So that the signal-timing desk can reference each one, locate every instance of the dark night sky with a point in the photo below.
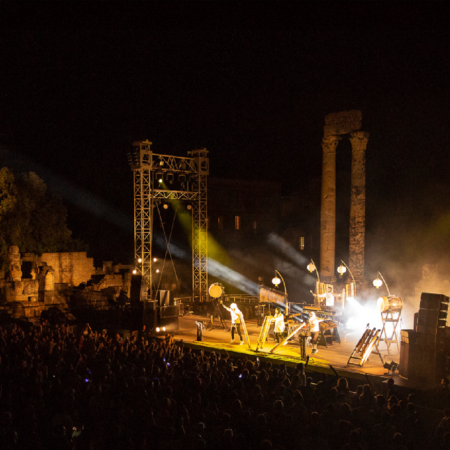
(250, 81)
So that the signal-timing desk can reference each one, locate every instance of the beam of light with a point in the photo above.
(68, 191)
(295, 267)
(232, 277)
(278, 242)
(360, 315)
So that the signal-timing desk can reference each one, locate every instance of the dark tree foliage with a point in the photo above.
(31, 217)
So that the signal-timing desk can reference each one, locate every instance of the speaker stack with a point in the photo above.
(423, 350)
(138, 289)
(168, 313)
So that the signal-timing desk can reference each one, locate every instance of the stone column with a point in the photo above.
(358, 140)
(328, 209)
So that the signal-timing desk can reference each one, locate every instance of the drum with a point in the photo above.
(216, 290)
(390, 303)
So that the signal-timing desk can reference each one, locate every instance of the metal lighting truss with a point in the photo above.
(145, 165)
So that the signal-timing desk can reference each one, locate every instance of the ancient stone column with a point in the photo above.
(328, 208)
(358, 140)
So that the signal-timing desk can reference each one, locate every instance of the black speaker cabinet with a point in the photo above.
(138, 289)
(169, 311)
(422, 359)
(150, 314)
(164, 298)
(437, 302)
(407, 338)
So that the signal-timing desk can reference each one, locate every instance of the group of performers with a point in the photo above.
(279, 326)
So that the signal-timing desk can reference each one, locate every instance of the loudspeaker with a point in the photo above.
(168, 311)
(407, 341)
(164, 298)
(433, 312)
(138, 289)
(425, 358)
(150, 318)
(437, 302)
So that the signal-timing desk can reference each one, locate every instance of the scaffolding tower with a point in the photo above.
(192, 172)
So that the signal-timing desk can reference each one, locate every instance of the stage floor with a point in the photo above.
(335, 355)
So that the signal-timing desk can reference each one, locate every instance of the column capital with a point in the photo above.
(329, 143)
(359, 139)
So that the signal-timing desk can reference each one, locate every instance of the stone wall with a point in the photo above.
(72, 268)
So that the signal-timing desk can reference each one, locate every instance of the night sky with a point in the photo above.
(250, 81)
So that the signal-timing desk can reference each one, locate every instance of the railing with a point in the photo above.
(233, 298)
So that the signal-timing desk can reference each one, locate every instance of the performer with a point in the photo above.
(279, 327)
(236, 319)
(315, 330)
(329, 297)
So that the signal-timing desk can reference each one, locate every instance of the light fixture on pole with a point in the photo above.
(276, 280)
(343, 268)
(378, 282)
(312, 267)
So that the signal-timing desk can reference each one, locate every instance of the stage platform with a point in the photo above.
(336, 355)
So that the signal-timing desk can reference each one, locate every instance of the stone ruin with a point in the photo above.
(33, 284)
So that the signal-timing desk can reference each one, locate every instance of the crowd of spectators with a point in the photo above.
(93, 390)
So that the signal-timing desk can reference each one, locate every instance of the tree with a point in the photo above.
(31, 217)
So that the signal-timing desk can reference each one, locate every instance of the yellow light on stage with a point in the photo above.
(377, 283)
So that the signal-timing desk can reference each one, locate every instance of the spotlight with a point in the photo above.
(159, 177)
(139, 260)
(189, 207)
(391, 367)
(164, 328)
(166, 206)
(134, 271)
(311, 267)
(155, 259)
(169, 177)
(158, 329)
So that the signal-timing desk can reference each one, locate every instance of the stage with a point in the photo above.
(334, 356)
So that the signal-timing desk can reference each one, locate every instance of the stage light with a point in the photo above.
(391, 367)
(164, 328)
(157, 270)
(189, 207)
(169, 177)
(311, 267)
(377, 283)
(166, 206)
(276, 281)
(341, 270)
(157, 329)
(134, 271)
(139, 260)
(155, 259)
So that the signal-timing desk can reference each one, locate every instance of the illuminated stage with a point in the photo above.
(335, 355)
